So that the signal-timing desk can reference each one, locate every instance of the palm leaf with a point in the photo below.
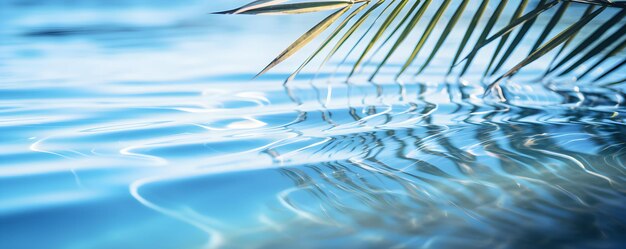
(445, 33)
(328, 40)
(410, 26)
(304, 39)
(521, 34)
(400, 18)
(379, 34)
(425, 35)
(544, 49)
(518, 13)
(468, 33)
(591, 38)
(588, 11)
(266, 7)
(597, 49)
(604, 58)
(481, 40)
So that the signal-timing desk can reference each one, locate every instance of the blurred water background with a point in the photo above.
(134, 124)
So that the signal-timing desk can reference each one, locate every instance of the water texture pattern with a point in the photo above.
(134, 124)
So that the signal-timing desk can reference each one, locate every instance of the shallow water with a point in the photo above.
(135, 124)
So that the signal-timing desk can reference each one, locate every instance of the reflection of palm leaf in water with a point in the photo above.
(519, 169)
(397, 20)
(380, 190)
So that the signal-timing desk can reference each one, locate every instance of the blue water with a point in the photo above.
(134, 124)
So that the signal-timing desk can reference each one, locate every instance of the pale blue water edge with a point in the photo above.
(134, 124)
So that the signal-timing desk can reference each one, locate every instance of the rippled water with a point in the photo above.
(134, 124)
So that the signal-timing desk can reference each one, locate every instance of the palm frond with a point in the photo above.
(399, 20)
(556, 41)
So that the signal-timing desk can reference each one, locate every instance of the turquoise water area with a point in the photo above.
(134, 124)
